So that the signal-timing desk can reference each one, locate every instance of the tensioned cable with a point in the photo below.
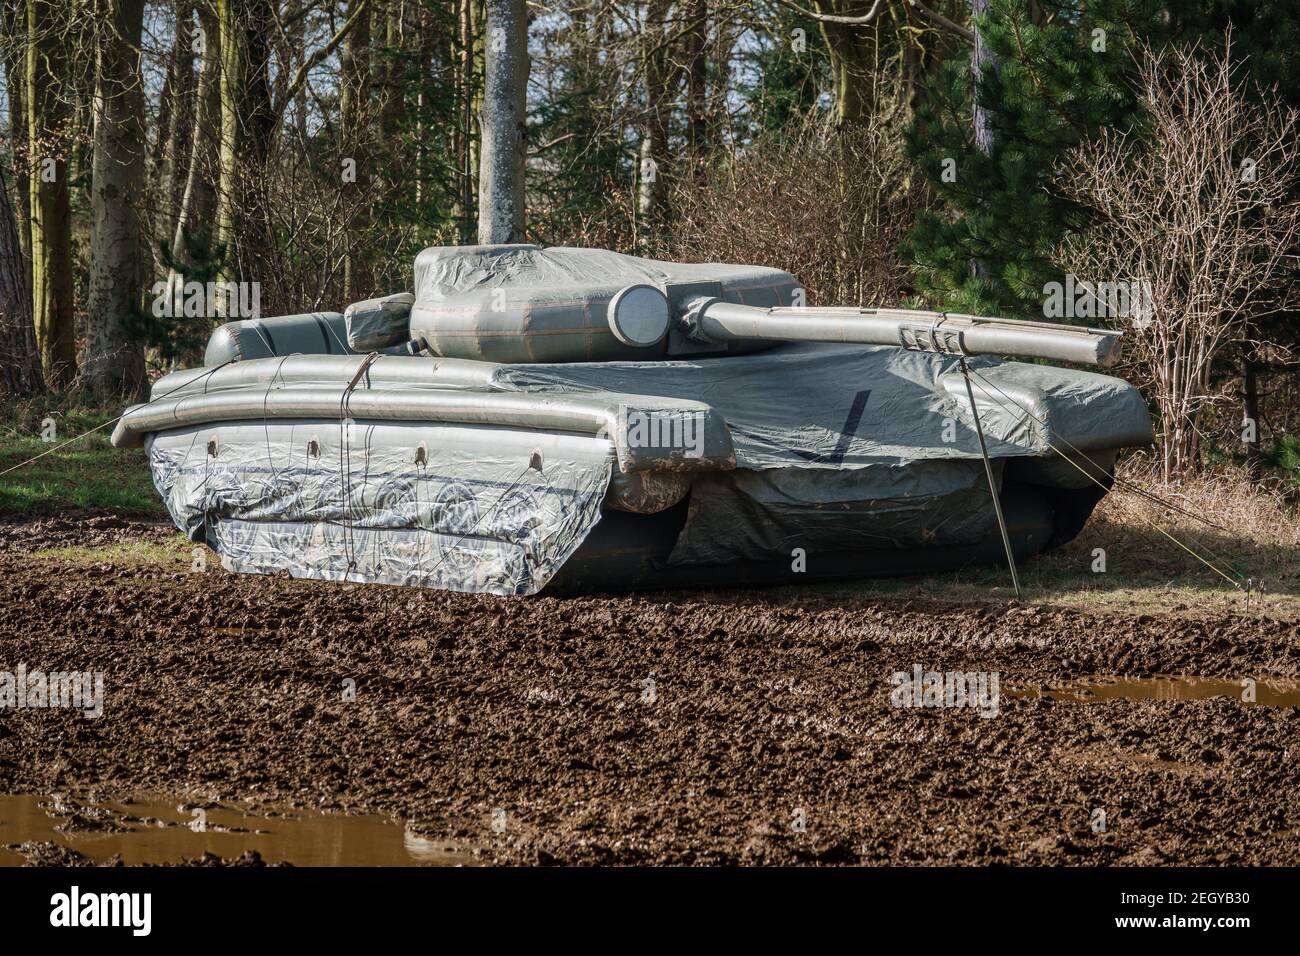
(266, 417)
(1130, 487)
(113, 421)
(1093, 478)
(345, 459)
(1122, 482)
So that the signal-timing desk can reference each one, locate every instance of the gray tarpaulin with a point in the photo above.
(847, 406)
(379, 323)
(519, 303)
(844, 447)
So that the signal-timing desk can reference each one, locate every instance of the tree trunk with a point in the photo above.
(246, 126)
(20, 360)
(174, 137)
(233, 59)
(726, 30)
(207, 126)
(501, 121)
(354, 112)
(423, 107)
(1250, 412)
(982, 61)
(13, 27)
(112, 362)
(47, 130)
(471, 90)
(853, 52)
(259, 119)
(654, 127)
(198, 198)
(298, 36)
(390, 115)
(698, 133)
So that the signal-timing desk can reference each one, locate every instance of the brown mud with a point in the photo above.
(726, 727)
(80, 528)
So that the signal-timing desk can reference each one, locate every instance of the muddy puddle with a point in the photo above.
(160, 832)
(1249, 692)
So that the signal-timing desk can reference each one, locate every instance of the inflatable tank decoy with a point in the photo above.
(565, 420)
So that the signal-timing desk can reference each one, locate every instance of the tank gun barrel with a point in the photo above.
(715, 321)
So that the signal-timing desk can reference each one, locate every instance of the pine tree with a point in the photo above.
(1060, 78)
(177, 337)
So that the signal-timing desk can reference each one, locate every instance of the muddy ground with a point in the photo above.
(529, 727)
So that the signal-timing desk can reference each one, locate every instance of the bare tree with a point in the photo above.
(13, 51)
(1200, 216)
(248, 124)
(113, 361)
(48, 125)
(354, 124)
(837, 227)
(697, 78)
(854, 53)
(198, 196)
(175, 123)
(654, 127)
(20, 360)
(501, 121)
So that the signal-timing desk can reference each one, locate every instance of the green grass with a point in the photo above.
(88, 473)
(176, 549)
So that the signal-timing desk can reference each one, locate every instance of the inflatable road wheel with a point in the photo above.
(518, 519)
(455, 517)
(395, 503)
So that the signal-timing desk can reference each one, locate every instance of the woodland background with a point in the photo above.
(957, 154)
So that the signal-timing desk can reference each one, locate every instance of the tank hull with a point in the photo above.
(540, 479)
(628, 552)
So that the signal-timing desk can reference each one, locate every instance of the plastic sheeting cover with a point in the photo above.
(849, 406)
(443, 273)
(836, 448)
(844, 447)
(379, 323)
(520, 303)
(295, 496)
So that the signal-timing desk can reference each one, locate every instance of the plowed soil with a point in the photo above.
(725, 727)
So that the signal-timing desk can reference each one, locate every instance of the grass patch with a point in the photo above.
(88, 473)
(175, 549)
